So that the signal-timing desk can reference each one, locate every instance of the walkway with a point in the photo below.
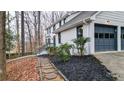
(47, 71)
(114, 62)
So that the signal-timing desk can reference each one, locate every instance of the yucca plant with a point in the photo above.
(80, 43)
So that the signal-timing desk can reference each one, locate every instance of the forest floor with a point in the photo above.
(22, 69)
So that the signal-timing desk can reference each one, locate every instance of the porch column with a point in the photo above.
(92, 40)
(119, 38)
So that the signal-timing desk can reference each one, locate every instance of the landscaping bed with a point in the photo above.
(22, 69)
(86, 68)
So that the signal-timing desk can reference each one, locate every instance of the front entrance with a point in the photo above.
(105, 38)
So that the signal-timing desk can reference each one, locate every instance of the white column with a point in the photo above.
(86, 34)
(118, 38)
(92, 40)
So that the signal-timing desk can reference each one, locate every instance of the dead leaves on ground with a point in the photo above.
(22, 70)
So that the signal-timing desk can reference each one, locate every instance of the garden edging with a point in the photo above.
(59, 71)
(11, 60)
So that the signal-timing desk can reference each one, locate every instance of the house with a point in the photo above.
(104, 28)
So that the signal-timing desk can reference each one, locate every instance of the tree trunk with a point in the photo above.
(2, 47)
(29, 31)
(22, 33)
(35, 29)
(17, 28)
(39, 29)
(9, 31)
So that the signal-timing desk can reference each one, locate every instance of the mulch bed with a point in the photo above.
(86, 68)
(22, 70)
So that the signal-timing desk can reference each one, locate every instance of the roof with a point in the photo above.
(76, 20)
(66, 15)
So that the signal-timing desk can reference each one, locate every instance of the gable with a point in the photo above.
(111, 15)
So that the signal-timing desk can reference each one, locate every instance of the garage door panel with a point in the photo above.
(106, 39)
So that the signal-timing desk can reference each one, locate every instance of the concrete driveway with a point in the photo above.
(114, 62)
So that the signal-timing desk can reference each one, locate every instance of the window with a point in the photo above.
(49, 41)
(49, 31)
(60, 24)
(122, 36)
(79, 31)
(54, 40)
(53, 27)
(64, 20)
(96, 35)
(59, 37)
(106, 35)
(101, 35)
(111, 35)
(46, 41)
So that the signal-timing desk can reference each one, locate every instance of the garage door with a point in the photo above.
(105, 38)
(122, 38)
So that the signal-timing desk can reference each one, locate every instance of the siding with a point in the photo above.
(57, 26)
(115, 17)
(71, 16)
(68, 36)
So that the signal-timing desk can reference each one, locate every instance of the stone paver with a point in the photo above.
(50, 76)
(47, 70)
(114, 62)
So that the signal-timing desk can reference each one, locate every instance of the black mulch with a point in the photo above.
(87, 68)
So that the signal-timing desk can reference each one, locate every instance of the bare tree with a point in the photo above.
(22, 33)
(39, 36)
(17, 29)
(8, 23)
(2, 46)
(35, 23)
(28, 21)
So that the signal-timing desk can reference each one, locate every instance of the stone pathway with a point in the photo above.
(47, 71)
(114, 62)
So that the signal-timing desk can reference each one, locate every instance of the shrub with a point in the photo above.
(64, 52)
(80, 43)
(52, 50)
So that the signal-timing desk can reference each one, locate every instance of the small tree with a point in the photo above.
(80, 43)
(64, 52)
(9, 35)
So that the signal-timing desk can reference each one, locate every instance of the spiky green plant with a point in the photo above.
(64, 52)
(80, 43)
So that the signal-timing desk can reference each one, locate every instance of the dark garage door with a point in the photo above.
(122, 38)
(105, 38)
